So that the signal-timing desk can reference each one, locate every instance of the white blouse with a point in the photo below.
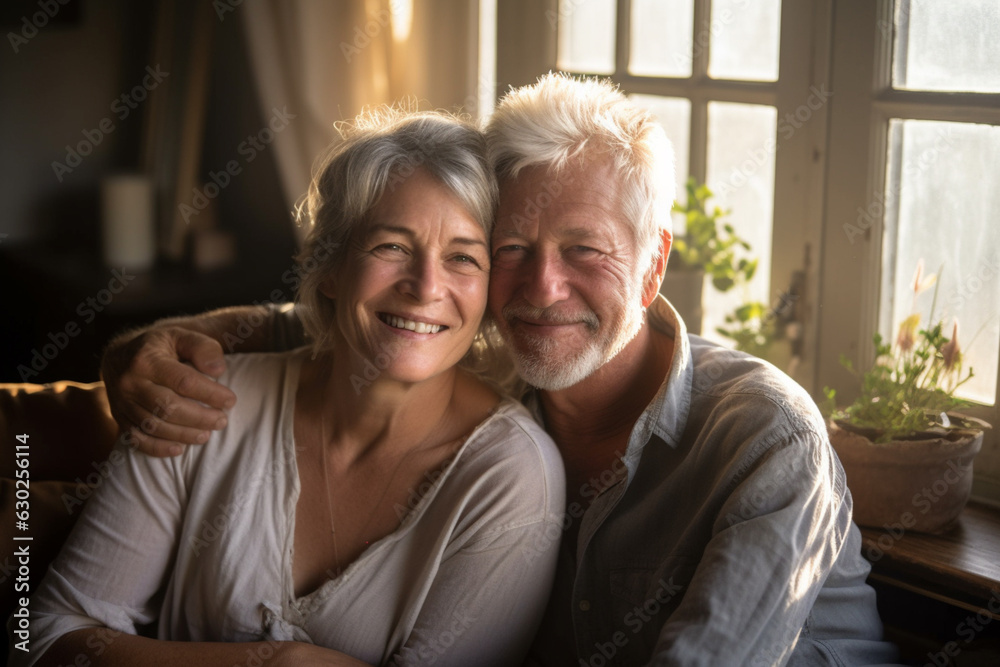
(201, 544)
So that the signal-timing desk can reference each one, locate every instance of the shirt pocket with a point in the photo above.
(644, 596)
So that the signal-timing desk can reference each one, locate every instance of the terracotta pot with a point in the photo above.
(919, 484)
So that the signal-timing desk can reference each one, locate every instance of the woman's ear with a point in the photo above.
(651, 286)
(328, 287)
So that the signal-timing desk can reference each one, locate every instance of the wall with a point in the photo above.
(59, 84)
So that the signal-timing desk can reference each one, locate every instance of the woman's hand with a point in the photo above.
(160, 391)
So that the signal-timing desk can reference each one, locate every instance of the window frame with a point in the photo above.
(863, 105)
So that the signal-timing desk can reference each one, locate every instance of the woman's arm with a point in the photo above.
(101, 646)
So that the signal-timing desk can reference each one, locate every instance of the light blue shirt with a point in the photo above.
(725, 536)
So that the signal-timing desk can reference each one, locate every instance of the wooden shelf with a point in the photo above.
(960, 567)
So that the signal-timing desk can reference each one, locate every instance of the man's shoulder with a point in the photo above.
(728, 384)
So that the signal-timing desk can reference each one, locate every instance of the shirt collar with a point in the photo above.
(666, 415)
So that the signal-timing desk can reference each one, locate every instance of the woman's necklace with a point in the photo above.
(326, 487)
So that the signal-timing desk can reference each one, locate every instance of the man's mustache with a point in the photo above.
(550, 316)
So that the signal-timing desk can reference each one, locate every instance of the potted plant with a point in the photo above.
(707, 247)
(906, 450)
(769, 332)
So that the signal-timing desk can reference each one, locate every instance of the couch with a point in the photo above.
(70, 433)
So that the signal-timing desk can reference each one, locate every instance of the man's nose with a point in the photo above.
(545, 281)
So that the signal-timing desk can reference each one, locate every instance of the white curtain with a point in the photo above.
(325, 60)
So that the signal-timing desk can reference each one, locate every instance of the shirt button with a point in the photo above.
(584, 605)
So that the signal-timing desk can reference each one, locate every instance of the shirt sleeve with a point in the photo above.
(775, 541)
(116, 558)
(487, 598)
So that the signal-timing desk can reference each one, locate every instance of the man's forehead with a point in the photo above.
(580, 198)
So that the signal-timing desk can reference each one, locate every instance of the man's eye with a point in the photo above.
(583, 250)
(508, 249)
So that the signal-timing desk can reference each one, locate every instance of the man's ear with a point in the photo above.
(651, 283)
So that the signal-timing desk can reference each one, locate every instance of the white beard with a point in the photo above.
(541, 364)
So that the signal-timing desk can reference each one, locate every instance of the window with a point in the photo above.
(941, 196)
(913, 167)
(710, 72)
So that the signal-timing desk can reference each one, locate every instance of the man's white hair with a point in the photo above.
(561, 118)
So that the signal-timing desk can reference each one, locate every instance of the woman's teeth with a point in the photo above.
(418, 327)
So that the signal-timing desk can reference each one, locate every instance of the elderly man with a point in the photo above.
(708, 520)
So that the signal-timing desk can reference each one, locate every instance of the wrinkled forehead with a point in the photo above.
(578, 200)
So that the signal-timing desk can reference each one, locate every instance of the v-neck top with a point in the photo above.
(201, 545)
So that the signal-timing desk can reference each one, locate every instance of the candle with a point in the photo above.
(127, 222)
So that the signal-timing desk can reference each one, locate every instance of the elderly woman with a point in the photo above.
(372, 500)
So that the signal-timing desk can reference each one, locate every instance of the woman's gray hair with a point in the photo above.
(560, 118)
(376, 152)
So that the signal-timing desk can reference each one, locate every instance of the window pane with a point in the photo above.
(950, 45)
(661, 37)
(674, 114)
(741, 147)
(942, 200)
(587, 36)
(744, 40)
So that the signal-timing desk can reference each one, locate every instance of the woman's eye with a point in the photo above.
(388, 248)
(467, 262)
